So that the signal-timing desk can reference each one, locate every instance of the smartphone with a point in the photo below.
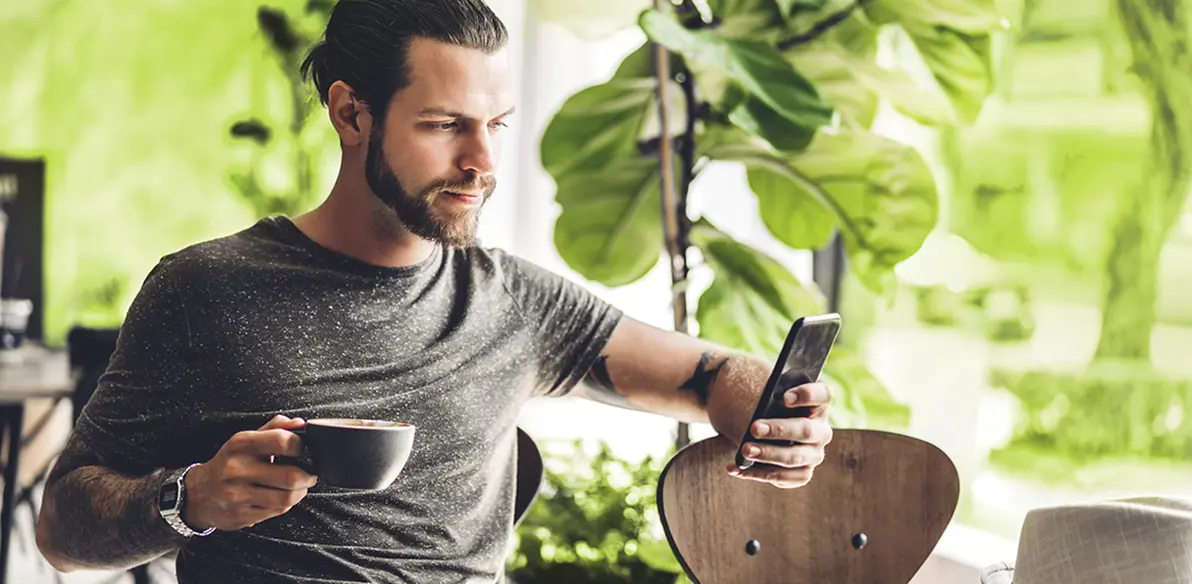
(803, 355)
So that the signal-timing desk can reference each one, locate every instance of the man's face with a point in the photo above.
(433, 159)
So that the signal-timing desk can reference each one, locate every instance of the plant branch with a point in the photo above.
(820, 27)
(687, 159)
(670, 198)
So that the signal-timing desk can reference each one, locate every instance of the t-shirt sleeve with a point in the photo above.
(570, 324)
(140, 405)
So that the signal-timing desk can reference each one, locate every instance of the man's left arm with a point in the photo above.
(646, 368)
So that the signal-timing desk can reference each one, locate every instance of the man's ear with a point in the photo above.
(349, 115)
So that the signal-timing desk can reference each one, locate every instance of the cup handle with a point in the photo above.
(305, 461)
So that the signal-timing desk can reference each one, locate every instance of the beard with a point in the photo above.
(417, 211)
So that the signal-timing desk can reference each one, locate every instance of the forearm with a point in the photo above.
(95, 518)
(684, 377)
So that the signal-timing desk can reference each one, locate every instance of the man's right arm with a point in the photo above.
(95, 518)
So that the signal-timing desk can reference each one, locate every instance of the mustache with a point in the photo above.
(481, 183)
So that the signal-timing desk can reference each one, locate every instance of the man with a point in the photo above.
(378, 305)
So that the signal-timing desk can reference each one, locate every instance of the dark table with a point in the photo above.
(34, 373)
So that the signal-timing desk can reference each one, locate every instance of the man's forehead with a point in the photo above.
(457, 78)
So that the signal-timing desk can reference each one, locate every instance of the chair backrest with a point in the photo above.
(872, 513)
(89, 351)
(529, 475)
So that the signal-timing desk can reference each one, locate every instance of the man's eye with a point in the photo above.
(446, 126)
(498, 125)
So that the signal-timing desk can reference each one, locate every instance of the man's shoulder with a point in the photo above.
(524, 278)
(507, 266)
(216, 257)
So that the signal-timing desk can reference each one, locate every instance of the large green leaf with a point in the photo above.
(788, 7)
(960, 62)
(755, 117)
(639, 66)
(753, 20)
(852, 84)
(886, 190)
(610, 229)
(838, 85)
(757, 67)
(953, 38)
(975, 17)
(596, 126)
(753, 299)
(758, 20)
(788, 213)
(640, 63)
(882, 192)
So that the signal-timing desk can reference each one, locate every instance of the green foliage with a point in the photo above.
(136, 136)
(611, 220)
(1111, 408)
(789, 89)
(288, 43)
(595, 521)
(953, 38)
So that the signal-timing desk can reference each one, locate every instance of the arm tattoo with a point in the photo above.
(600, 386)
(598, 375)
(100, 518)
(706, 370)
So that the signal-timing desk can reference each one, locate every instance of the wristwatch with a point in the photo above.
(170, 498)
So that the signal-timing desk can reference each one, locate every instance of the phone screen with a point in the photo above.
(801, 361)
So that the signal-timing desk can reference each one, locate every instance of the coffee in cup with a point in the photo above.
(352, 453)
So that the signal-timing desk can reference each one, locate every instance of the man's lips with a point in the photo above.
(465, 196)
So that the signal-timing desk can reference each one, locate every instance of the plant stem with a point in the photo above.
(1159, 36)
(674, 204)
(820, 28)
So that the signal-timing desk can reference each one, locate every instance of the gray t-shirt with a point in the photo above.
(227, 333)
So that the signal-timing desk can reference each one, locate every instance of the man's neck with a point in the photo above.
(372, 235)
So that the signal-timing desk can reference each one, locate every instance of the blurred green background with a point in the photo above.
(131, 104)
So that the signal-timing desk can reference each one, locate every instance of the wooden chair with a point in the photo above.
(872, 513)
(529, 475)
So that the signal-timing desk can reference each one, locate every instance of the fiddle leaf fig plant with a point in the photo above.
(790, 90)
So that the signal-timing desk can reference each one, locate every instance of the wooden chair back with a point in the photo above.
(872, 513)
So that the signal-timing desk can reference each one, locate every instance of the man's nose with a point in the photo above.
(479, 157)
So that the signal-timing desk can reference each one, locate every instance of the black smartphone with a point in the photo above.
(807, 346)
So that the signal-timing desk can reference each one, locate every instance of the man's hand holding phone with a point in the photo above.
(788, 430)
(787, 450)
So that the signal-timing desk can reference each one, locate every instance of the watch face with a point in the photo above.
(168, 497)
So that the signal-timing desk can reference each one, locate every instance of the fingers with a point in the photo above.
(784, 456)
(266, 443)
(238, 501)
(803, 430)
(783, 478)
(275, 476)
(808, 395)
(283, 422)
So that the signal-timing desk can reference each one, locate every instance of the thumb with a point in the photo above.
(283, 422)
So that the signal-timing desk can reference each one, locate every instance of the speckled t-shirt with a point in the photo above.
(227, 333)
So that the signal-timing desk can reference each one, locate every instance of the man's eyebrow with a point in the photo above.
(446, 113)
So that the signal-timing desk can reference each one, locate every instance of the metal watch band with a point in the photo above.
(174, 516)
